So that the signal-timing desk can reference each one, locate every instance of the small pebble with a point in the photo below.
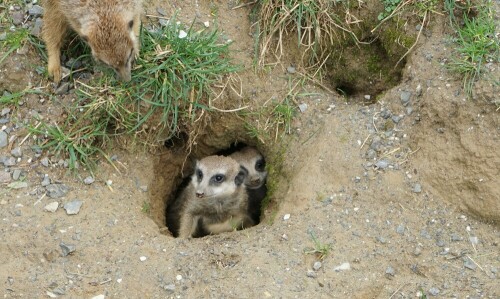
(434, 291)
(73, 207)
(169, 287)
(99, 297)
(469, 264)
(400, 229)
(17, 185)
(52, 207)
(143, 258)
(67, 248)
(390, 271)
(88, 180)
(56, 190)
(45, 181)
(16, 174)
(317, 266)
(109, 182)
(311, 274)
(342, 267)
(405, 97)
(45, 162)
(456, 237)
(178, 277)
(17, 152)
(3, 139)
(417, 188)
(303, 107)
(291, 70)
(286, 217)
(36, 11)
(382, 164)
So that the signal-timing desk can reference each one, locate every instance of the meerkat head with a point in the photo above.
(252, 160)
(113, 42)
(217, 176)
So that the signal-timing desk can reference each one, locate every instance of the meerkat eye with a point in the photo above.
(199, 175)
(131, 24)
(260, 165)
(218, 178)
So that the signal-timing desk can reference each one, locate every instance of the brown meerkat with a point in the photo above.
(110, 27)
(215, 200)
(252, 160)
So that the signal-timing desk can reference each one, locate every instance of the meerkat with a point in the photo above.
(215, 200)
(252, 160)
(110, 27)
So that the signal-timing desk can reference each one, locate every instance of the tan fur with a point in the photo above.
(248, 157)
(103, 24)
(221, 207)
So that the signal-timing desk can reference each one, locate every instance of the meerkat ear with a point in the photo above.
(240, 177)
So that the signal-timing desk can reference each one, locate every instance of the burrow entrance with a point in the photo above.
(174, 166)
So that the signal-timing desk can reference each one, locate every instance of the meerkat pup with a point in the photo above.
(252, 160)
(215, 200)
(110, 27)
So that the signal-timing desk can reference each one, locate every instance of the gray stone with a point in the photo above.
(456, 237)
(409, 110)
(425, 234)
(163, 22)
(396, 119)
(3, 36)
(400, 229)
(73, 207)
(17, 17)
(51, 207)
(417, 188)
(418, 251)
(381, 240)
(342, 267)
(434, 291)
(9, 161)
(317, 266)
(143, 188)
(440, 243)
(376, 143)
(371, 154)
(16, 174)
(88, 180)
(5, 111)
(169, 287)
(311, 274)
(45, 181)
(45, 161)
(382, 164)
(390, 271)
(36, 30)
(63, 89)
(291, 70)
(17, 152)
(405, 97)
(418, 90)
(469, 264)
(3, 139)
(36, 11)
(386, 113)
(56, 190)
(67, 248)
(4, 177)
(161, 11)
(303, 107)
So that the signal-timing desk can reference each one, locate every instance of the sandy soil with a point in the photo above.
(406, 204)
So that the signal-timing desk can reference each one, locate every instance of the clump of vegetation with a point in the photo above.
(389, 7)
(476, 39)
(315, 22)
(321, 250)
(171, 83)
(13, 41)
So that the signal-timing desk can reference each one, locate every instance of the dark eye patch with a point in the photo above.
(131, 24)
(260, 165)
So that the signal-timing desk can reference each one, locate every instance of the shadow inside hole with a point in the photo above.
(255, 186)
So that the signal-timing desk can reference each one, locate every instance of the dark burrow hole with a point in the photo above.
(250, 181)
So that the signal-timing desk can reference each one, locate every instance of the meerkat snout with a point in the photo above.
(200, 194)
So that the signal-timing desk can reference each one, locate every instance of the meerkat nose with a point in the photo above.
(256, 181)
(200, 194)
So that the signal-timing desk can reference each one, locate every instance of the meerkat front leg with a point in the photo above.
(188, 225)
(53, 33)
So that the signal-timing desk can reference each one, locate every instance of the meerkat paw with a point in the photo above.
(54, 70)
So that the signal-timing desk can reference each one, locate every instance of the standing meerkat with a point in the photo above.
(110, 27)
(215, 199)
(252, 160)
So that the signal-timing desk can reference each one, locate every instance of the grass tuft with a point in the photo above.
(319, 249)
(476, 38)
(171, 83)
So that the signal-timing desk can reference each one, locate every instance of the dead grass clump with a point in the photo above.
(315, 22)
